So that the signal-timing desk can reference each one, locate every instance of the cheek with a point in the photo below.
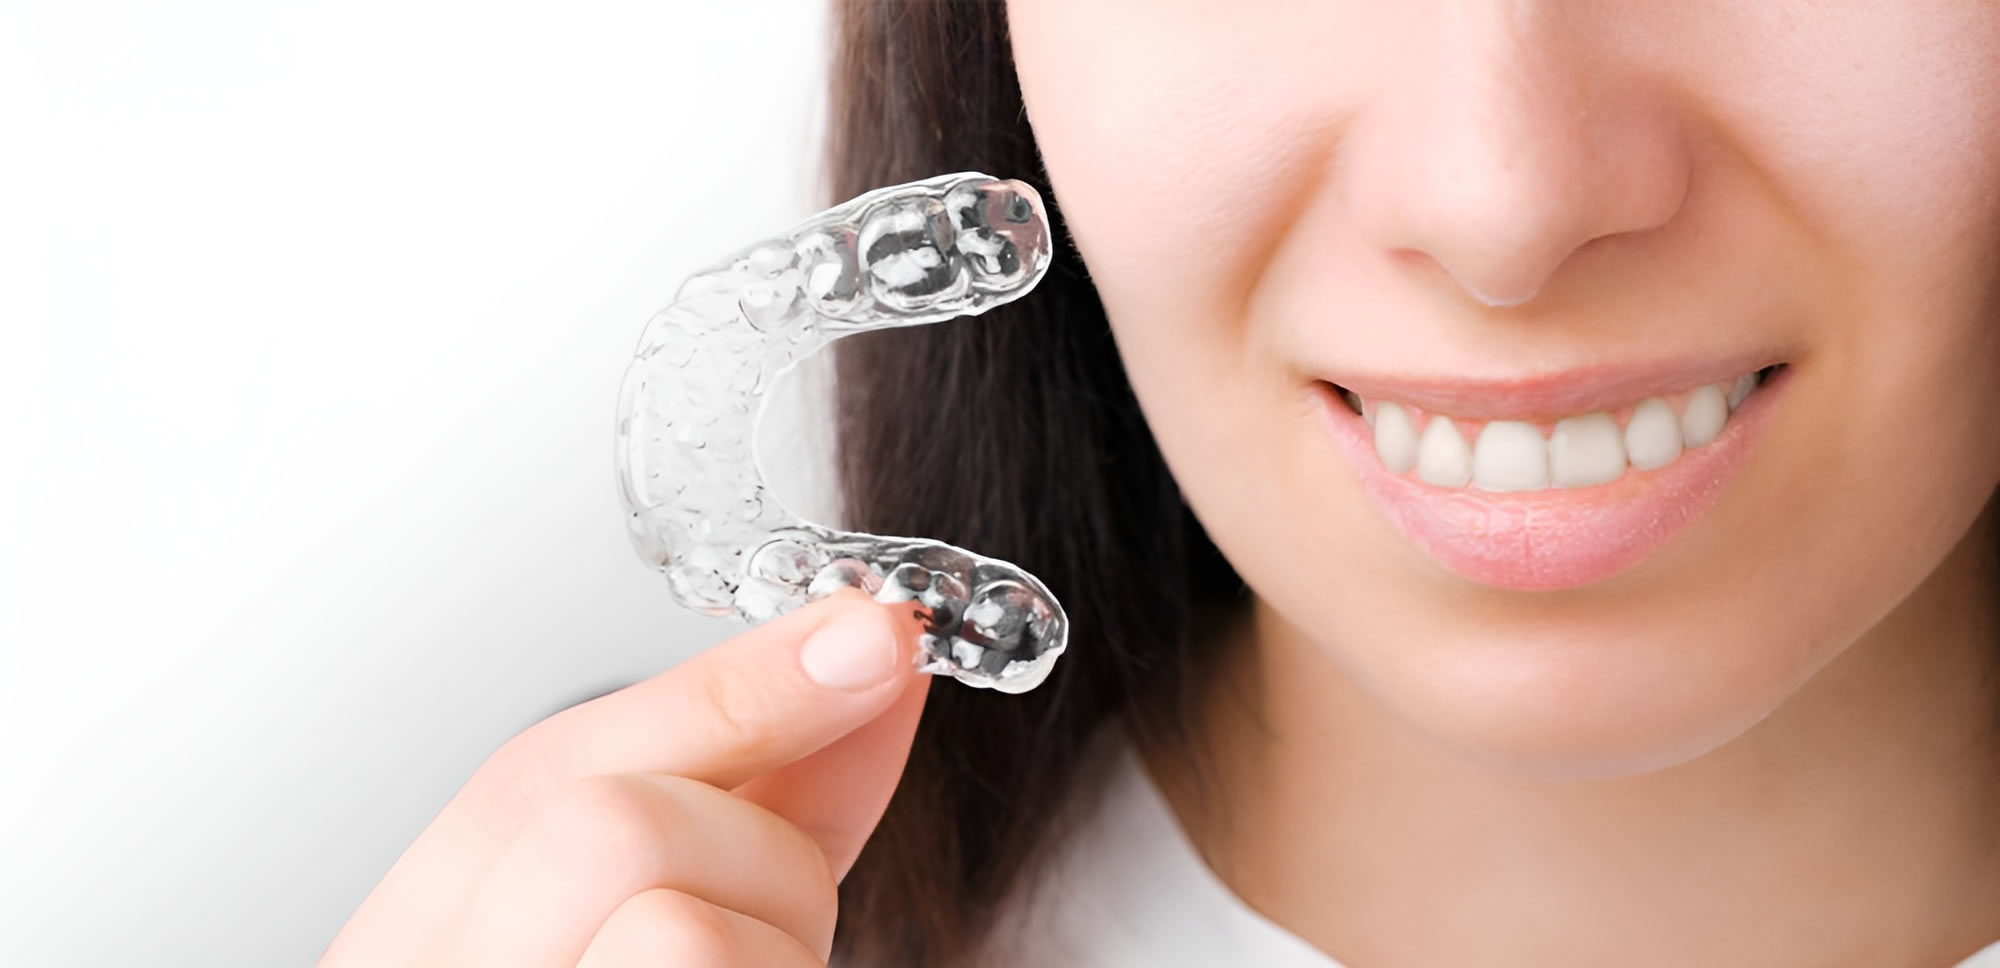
(1179, 153)
(1880, 126)
(1178, 157)
(1892, 157)
(1176, 162)
(1876, 129)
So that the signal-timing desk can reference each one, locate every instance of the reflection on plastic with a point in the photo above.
(944, 248)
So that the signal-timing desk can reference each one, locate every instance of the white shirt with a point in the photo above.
(1128, 890)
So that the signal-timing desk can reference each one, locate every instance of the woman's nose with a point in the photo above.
(1513, 144)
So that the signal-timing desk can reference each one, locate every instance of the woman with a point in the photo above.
(1520, 475)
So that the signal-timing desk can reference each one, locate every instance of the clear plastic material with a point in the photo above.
(944, 248)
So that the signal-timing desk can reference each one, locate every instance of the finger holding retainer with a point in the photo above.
(948, 247)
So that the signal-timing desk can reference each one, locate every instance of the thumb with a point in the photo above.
(838, 793)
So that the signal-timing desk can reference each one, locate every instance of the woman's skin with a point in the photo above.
(1772, 741)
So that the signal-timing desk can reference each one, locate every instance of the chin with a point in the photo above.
(1573, 711)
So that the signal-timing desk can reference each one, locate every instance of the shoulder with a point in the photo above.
(1061, 911)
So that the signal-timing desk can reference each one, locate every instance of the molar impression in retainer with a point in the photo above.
(947, 247)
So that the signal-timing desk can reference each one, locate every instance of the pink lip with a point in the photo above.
(1553, 539)
(1549, 394)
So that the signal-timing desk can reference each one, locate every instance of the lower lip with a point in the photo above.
(1553, 539)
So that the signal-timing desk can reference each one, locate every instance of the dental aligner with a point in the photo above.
(947, 247)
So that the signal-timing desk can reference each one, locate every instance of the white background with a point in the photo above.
(314, 317)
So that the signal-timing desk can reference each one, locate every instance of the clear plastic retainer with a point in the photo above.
(943, 248)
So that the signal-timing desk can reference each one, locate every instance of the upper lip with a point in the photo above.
(1548, 393)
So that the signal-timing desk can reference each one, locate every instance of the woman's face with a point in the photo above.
(1545, 244)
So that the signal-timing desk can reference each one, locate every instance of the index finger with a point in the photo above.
(733, 712)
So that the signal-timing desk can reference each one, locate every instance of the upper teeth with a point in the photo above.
(1579, 451)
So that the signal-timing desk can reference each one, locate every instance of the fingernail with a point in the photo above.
(854, 651)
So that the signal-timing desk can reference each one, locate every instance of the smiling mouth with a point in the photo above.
(1576, 451)
(1537, 502)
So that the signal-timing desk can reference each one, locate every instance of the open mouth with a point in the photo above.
(1580, 450)
(1550, 502)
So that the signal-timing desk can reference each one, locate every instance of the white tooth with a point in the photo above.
(1510, 456)
(1653, 438)
(1442, 457)
(1744, 384)
(1395, 438)
(1586, 450)
(1706, 411)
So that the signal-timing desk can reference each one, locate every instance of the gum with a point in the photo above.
(1469, 429)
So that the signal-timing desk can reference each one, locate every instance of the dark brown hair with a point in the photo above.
(1016, 435)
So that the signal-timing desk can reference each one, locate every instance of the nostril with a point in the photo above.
(1424, 261)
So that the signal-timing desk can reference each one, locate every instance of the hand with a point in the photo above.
(703, 817)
